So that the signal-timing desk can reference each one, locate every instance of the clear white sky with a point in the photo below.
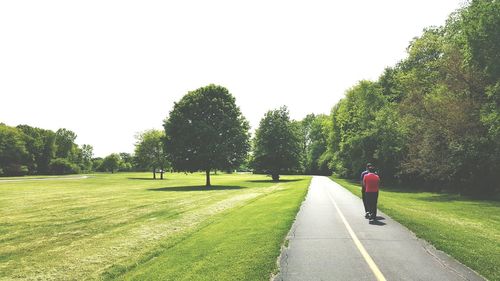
(109, 69)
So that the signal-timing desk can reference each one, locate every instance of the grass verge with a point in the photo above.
(237, 245)
(110, 226)
(467, 229)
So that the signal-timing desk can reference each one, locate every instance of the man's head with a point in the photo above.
(370, 167)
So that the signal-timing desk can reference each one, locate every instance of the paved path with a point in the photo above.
(331, 240)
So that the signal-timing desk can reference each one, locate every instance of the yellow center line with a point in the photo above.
(378, 274)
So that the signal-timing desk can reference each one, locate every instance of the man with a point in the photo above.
(371, 182)
(363, 196)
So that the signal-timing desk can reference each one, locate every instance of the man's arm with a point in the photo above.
(362, 180)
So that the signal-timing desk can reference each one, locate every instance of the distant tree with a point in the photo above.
(13, 153)
(277, 145)
(86, 152)
(150, 153)
(62, 166)
(65, 142)
(206, 131)
(317, 145)
(128, 161)
(97, 164)
(40, 144)
(111, 163)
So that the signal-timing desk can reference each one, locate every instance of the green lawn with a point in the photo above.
(466, 229)
(125, 226)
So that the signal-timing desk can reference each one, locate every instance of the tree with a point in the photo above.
(206, 131)
(40, 145)
(303, 128)
(97, 164)
(149, 151)
(111, 163)
(277, 145)
(87, 153)
(317, 145)
(13, 153)
(65, 142)
(128, 161)
(62, 166)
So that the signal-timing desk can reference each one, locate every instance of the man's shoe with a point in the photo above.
(367, 215)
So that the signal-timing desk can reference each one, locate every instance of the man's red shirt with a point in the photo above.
(371, 181)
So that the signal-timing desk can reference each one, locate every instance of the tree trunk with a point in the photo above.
(154, 173)
(161, 174)
(208, 177)
(275, 176)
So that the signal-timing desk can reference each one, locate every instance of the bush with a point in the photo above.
(61, 166)
(14, 170)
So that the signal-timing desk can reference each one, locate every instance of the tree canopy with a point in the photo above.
(434, 118)
(150, 152)
(277, 144)
(111, 163)
(206, 131)
(30, 150)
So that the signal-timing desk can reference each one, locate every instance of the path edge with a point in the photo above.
(283, 257)
(446, 260)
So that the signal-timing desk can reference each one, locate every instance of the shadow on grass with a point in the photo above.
(271, 181)
(146, 179)
(196, 188)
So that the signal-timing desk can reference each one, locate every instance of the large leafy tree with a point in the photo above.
(206, 131)
(277, 144)
(150, 152)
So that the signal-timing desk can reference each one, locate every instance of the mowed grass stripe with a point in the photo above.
(467, 229)
(79, 229)
(241, 244)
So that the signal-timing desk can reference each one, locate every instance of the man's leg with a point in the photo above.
(375, 202)
(368, 196)
(363, 196)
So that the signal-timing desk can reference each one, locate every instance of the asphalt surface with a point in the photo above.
(321, 247)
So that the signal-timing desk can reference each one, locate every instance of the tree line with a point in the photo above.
(432, 120)
(26, 150)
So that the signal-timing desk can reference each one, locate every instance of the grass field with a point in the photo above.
(126, 226)
(467, 229)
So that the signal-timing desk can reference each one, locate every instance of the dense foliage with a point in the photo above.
(206, 131)
(150, 152)
(434, 118)
(30, 150)
(277, 145)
